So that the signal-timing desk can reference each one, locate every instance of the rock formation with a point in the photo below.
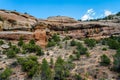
(11, 35)
(40, 34)
(96, 29)
(17, 24)
(15, 21)
(61, 19)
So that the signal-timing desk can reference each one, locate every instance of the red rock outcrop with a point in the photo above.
(40, 34)
(40, 37)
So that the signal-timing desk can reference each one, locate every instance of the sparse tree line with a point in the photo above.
(59, 69)
(22, 48)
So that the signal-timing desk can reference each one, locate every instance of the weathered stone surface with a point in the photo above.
(95, 30)
(16, 35)
(63, 19)
(41, 37)
(5, 46)
(14, 20)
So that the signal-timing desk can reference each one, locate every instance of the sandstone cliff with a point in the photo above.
(93, 29)
(12, 20)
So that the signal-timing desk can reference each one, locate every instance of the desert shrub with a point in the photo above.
(15, 49)
(31, 47)
(90, 42)
(46, 73)
(104, 41)
(10, 44)
(51, 62)
(5, 74)
(71, 58)
(104, 48)
(73, 43)
(29, 64)
(39, 51)
(116, 62)
(77, 55)
(11, 53)
(56, 38)
(23, 52)
(20, 43)
(105, 61)
(32, 41)
(62, 69)
(113, 44)
(51, 43)
(66, 38)
(81, 49)
(87, 54)
(1, 42)
(78, 77)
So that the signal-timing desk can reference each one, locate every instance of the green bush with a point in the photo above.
(32, 41)
(71, 58)
(105, 61)
(73, 43)
(77, 55)
(20, 43)
(23, 52)
(29, 65)
(10, 44)
(90, 42)
(81, 49)
(113, 44)
(46, 73)
(56, 38)
(66, 38)
(62, 68)
(5, 74)
(104, 49)
(11, 53)
(116, 62)
(29, 47)
(78, 77)
(87, 54)
(104, 41)
(51, 44)
(15, 49)
(39, 51)
(1, 42)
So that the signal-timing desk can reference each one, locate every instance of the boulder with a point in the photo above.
(5, 46)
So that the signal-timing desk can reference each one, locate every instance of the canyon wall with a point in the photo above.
(13, 25)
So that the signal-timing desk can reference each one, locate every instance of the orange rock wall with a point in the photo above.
(40, 37)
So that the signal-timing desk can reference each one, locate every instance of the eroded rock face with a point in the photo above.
(16, 35)
(95, 30)
(62, 19)
(12, 20)
(40, 37)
